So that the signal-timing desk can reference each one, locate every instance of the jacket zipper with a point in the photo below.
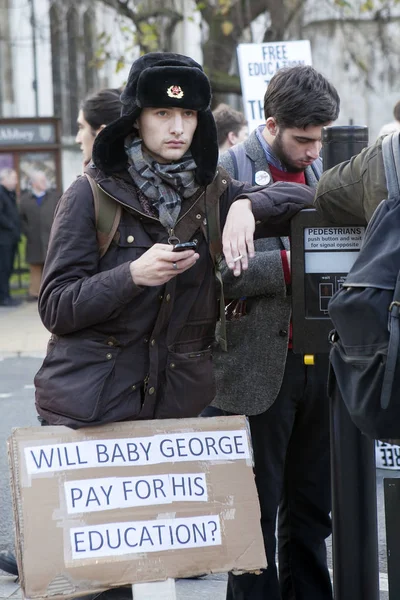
(171, 231)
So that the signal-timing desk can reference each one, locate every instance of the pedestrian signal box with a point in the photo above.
(321, 256)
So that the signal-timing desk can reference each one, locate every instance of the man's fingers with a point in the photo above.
(229, 254)
(250, 244)
(182, 264)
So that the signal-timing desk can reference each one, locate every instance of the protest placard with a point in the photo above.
(134, 502)
(258, 63)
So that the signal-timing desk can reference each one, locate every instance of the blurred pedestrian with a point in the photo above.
(37, 206)
(9, 233)
(393, 125)
(96, 111)
(232, 127)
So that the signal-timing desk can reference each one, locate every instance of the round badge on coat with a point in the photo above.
(262, 178)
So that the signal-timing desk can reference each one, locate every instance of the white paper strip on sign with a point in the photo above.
(116, 539)
(107, 493)
(174, 447)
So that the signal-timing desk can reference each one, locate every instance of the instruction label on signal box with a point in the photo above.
(333, 238)
(330, 252)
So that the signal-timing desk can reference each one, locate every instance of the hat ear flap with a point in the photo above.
(108, 152)
(204, 147)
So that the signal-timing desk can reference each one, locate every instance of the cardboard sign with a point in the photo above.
(134, 502)
(258, 63)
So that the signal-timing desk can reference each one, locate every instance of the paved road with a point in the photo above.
(17, 410)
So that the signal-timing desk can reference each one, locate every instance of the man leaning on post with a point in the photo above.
(260, 376)
(132, 331)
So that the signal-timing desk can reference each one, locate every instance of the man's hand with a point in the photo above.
(159, 264)
(237, 236)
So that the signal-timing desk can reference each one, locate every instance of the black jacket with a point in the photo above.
(9, 218)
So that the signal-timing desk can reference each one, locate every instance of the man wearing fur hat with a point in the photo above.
(133, 329)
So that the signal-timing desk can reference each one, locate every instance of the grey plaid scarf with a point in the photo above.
(163, 184)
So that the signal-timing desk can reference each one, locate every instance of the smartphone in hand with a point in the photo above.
(185, 246)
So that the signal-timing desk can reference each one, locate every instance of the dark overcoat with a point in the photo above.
(36, 221)
(121, 351)
(9, 219)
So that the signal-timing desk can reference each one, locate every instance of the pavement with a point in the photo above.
(9, 588)
(22, 332)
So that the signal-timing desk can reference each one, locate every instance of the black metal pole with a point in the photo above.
(354, 508)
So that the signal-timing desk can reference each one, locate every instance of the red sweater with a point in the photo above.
(298, 177)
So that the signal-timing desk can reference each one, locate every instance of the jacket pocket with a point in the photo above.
(74, 377)
(189, 385)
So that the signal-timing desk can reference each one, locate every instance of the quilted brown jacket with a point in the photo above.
(120, 351)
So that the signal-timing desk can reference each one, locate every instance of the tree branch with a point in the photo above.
(222, 83)
(138, 17)
(160, 12)
(293, 14)
(123, 9)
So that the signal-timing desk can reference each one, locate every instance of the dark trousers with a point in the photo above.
(7, 254)
(292, 472)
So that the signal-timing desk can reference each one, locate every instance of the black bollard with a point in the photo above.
(354, 507)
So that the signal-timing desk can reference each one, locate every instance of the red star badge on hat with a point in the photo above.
(175, 91)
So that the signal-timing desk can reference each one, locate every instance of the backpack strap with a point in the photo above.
(243, 166)
(393, 347)
(391, 162)
(107, 214)
(317, 168)
(213, 235)
(212, 232)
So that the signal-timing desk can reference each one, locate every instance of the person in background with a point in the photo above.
(260, 376)
(9, 233)
(231, 125)
(96, 111)
(393, 125)
(37, 206)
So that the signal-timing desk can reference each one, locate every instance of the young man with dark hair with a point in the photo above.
(133, 329)
(143, 306)
(260, 377)
(96, 111)
(231, 125)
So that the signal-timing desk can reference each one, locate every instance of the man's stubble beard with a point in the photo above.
(278, 150)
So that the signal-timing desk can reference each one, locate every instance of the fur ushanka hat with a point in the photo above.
(160, 80)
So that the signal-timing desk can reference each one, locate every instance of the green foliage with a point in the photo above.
(343, 3)
(227, 27)
(224, 6)
(152, 23)
(148, 36)
(367, 5)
